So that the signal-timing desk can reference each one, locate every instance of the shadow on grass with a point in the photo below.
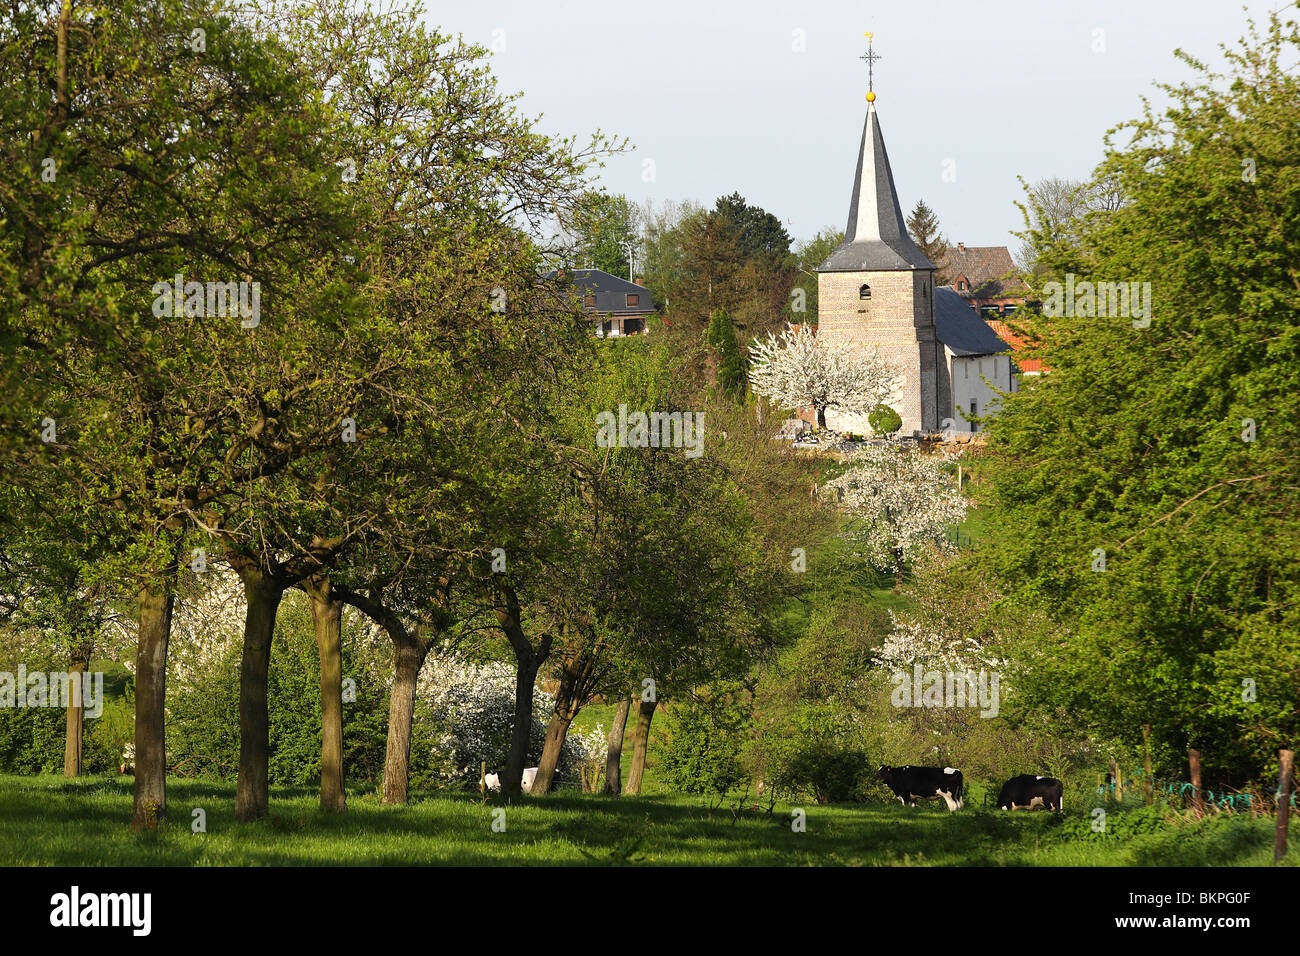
(50, 821)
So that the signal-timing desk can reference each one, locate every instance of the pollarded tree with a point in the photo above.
(900, 502)
(797, 371)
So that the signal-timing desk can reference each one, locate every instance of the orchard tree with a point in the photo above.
(799, 371)
(140, 391)
(900, 503)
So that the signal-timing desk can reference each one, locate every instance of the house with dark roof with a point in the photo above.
(616, 306)
(976, 365)
(985, 277)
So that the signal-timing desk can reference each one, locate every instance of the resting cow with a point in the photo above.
(912, 783)
(1028, 791)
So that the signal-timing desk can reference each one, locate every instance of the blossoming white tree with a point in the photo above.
(914, 642)
(797, 370)
(900, 502)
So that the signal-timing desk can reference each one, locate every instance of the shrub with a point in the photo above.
(700, 747)
(818, 755)
(884, 420)
(203, 706)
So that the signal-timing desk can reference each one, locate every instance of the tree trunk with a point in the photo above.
(408, 658)
(821, 419)
(526, 666)
(640, 741)
(614, 755)
(327, 615)
(574, 686)
(150, 804)
(76, 719)
(556, 730)
(527, 662)
(251, 790)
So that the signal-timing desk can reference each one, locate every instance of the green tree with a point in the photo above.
(884, 420)
(605, 232)
(923, 227)
(153, 411)
(810, 254)
(1142, 494)
(721, 337)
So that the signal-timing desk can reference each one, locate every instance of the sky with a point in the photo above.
(767, 98)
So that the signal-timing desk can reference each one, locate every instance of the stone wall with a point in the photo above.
(898, 322)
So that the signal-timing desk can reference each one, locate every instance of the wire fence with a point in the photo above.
(1184, 793)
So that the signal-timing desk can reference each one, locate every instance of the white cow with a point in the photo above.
(493, 780)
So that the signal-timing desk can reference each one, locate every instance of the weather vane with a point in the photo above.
(871, 59)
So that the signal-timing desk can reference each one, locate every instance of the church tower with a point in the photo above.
(877, 291)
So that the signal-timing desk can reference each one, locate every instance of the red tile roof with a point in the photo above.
(1017, 343)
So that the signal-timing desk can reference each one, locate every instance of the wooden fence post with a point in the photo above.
(1286, 759)
(1198, 802)
(1146, 760)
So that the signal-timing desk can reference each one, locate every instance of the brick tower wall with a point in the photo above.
(898, 321)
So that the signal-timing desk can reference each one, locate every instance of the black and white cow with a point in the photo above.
(1028, 791)
(911, 783)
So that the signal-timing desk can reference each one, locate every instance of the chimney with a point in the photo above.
(639, 280)
(961, 247)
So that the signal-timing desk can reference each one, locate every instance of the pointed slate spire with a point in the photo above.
(875, 238)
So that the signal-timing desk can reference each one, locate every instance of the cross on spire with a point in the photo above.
(871, 57)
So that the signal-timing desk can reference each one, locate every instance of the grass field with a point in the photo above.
(52, 821)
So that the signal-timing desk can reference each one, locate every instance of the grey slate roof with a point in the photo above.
(610, 291)
(960, 328)
(875, 238)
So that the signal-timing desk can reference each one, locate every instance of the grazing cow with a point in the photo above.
(493, 780)
(911, 783)
(1028, 791)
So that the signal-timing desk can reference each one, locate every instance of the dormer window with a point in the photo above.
(632, 300)
(961, 285)
(864, 292)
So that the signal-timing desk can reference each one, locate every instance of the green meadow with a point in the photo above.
(52, 821)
